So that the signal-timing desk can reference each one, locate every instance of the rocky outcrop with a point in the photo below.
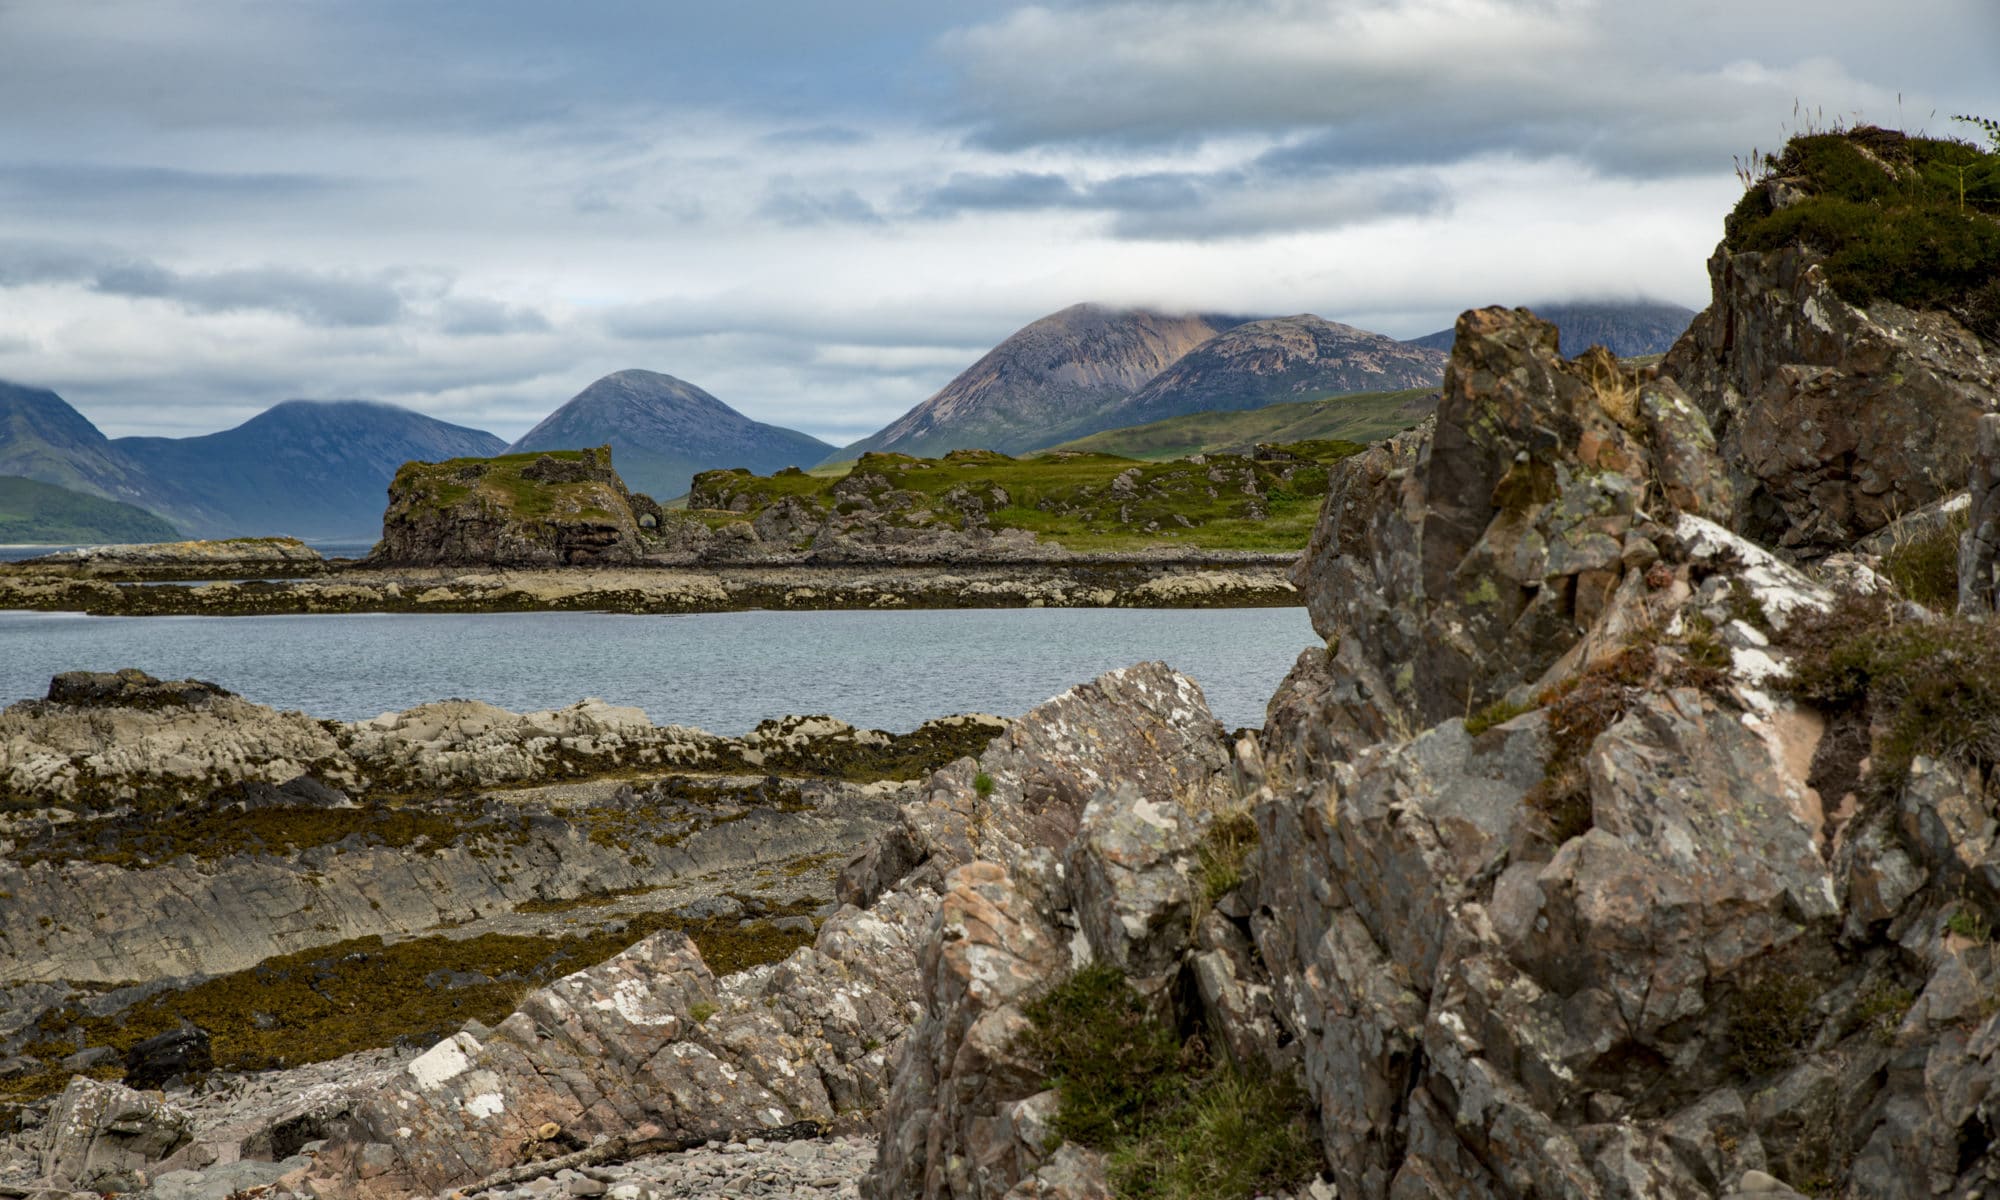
(1833, 419)
(267, 555)
(1979, 545)
(560, 508)
(1457, 562)
(652, 1046)
(103, 1137)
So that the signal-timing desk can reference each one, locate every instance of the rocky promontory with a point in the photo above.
(544, 508)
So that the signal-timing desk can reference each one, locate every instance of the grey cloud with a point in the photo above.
(120, 185)
(792, 206)
(1200, 206)
(313, 297)
(818, 135)
(472, 316)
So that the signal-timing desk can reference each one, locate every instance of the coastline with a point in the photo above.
(1210, 581)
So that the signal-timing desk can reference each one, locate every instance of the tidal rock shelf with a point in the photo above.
(1232, 582)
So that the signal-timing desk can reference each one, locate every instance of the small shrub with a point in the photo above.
(983, 784)
(1969, 922)
(1924, 567)
(700, 1011)
(1224, 850)
(1935, 686)
(1881, 1008)
(1499, 712)
(1771, 1020)
(1173, 1121)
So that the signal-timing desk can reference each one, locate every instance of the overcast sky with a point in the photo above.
(822, 212)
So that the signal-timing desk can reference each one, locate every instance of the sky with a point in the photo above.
(822, 212)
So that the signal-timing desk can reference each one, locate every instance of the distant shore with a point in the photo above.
(1208, 581)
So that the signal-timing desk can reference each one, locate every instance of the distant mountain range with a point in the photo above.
(309, 469)
(1352, 417)
(1627, 329)
(663, 430)
(1057, 378)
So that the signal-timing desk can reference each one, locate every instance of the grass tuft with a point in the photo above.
(1224, 851)
(1173, 1121)
(1924, 567)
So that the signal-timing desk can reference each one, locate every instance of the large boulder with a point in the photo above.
(1834, 419)
(103, 1136)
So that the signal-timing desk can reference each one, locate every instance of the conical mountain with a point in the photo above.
(663, 430)
(1056, 379)
(308, 468)
(1628, 329)
(1279, 359)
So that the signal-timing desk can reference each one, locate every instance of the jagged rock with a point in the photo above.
(551, 509)
(1456, 563)
(1129, 875)
(1834, 420)
(1979, 545)
(103, 1136)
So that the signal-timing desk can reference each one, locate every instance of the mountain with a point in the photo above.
(1349, 417)
(1627, 329)
(44, 439)
(662, 430)
(1283, 358)
(308, 468)
(36, 513)
(1055, 379)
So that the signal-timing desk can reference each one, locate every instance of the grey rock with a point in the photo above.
(103, 1136)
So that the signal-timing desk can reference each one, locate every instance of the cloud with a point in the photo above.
(315, 297)
(473, 316)
(789, 205)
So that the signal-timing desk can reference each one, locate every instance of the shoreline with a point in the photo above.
(1237, 581)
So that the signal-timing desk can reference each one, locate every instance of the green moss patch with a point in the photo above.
(1173, 1120)
(210, 835)
(1906, 219)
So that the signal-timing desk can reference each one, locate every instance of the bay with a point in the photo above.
(723, 672)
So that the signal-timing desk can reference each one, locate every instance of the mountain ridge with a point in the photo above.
(1629, 329)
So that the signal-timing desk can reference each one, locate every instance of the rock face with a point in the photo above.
(1058, 378)
(103, 1137)
(1284, 358)
(266, 554)
(553, 509)
(665, 430)
(652, 1046)
(1460, 561)
(1834, 420)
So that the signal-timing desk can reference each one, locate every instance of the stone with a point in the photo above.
(178, 1055)
(547, 511)
(1979, 545)
(103, 1136)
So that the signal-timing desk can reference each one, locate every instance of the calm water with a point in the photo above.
(722, 672)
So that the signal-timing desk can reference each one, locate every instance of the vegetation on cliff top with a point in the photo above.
(1267, 500)
(1914, 220)
(500, 479)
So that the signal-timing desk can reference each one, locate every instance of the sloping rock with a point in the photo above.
(1833, 419)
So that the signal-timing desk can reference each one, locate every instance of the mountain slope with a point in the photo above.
(1627, 329)
(42, 438)
(33, 512)
(662, 430)
(1350, 417)
(304, 467)
(1055, 379)
(1283, 358)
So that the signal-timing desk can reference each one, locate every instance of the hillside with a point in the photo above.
(33, 513)
(664, 430)
(44, 439)
(303, 468)
(1353, 417)
(1083, 502)
(1057, 378)
(1627, 329)
(1284, 358)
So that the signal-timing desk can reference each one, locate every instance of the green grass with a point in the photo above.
(1925, 567)
(498, 480)
(1354, 417)
(34, 513)
(1068, 498)
(1173, 1121)
(1912, 220)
